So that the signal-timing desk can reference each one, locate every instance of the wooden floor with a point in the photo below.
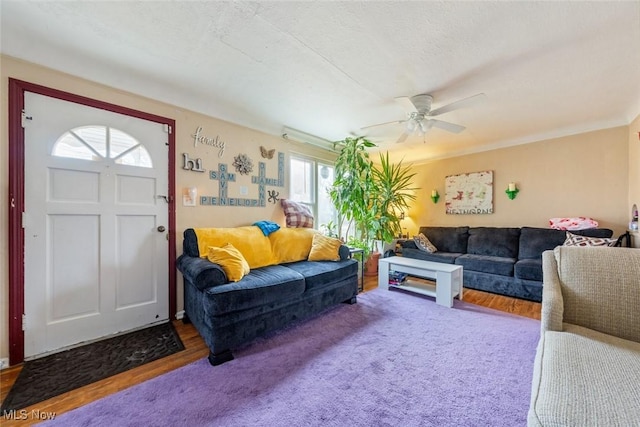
(196, 349)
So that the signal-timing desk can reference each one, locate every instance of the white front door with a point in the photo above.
(95, 223)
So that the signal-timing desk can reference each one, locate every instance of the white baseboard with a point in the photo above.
(180, 315)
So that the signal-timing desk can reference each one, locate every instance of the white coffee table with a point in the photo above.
(448, 278)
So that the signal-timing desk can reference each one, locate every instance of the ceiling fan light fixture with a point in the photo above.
(419, 113)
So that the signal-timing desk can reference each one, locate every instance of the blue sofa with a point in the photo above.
(501, 260)
(228, 314)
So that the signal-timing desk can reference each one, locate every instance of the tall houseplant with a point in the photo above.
(370, 198)
(351, 189)
(393, 190)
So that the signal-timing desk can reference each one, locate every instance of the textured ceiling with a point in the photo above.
(329, 68)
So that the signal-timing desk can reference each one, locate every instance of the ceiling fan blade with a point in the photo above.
(403, 137)
(395, 122)
(406, 103)
(466, 102)
(451, 127)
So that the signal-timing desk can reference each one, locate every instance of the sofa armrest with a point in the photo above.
(344, 252)
(201, 272)
(552, 301)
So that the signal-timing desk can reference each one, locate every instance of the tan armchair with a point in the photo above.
(587, 366)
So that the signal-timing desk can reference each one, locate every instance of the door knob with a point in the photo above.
(161, 228)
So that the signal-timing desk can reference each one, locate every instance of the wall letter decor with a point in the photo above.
(191, 164)
(214, 142)
(224, 177)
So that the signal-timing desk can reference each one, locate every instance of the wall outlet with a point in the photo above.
(4, 363)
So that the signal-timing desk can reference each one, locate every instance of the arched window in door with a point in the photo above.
(97, 143)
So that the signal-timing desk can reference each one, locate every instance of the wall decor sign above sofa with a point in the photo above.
(469, 193)
(224, 177)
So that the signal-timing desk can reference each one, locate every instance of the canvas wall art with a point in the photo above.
(469, 193)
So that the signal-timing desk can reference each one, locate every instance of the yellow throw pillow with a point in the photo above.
(324, 248)
(231, 261)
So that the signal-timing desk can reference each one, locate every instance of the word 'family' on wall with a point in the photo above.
(213, 142)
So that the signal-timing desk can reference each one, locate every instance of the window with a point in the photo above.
(96, 143)
(309, 184)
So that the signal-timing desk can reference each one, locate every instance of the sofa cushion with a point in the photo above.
(249, 240)
(231, 261)
(494, 241)
(444, 257)
(291, 244)
(487, 264)
(585, 378)
(261, 286)
(528, 269)
(447, 239)
(534, 241)
(319, 274)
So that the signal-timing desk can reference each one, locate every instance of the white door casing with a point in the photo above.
(94, 260)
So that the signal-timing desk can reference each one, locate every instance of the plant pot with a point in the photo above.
(371, 264)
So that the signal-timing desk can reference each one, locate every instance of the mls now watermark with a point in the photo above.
(23, 414)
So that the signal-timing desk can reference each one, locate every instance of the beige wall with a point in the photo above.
(580, 175)
(238, 139)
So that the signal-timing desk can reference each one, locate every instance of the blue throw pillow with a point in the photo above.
(267, 227)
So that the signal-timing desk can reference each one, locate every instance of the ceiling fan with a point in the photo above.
(419, 114)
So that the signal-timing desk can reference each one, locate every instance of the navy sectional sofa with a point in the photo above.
(501, 260)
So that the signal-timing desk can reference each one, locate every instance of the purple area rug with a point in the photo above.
(392, 359)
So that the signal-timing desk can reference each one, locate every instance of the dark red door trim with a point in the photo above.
(17, 88)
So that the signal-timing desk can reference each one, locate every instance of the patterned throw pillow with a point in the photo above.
(575, 240)
(296, 214)
(424, 244)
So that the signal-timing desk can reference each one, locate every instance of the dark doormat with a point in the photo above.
(50, 376)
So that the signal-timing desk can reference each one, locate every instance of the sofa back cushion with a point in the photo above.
(600, 288)
(291, 244)
(494, 241)
(254, 246)
(534, 241)
(447, 239)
